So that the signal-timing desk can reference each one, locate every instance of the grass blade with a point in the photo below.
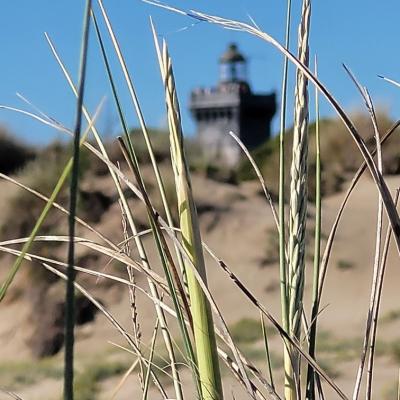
(267, 194)
(142, 123)
(205, 342)
(317, 251)
(267, 352)
(147, 378)
(114, 322)
(376, 269)
(123, 379)
(42, 217)
(161, 316)
(332, 233)
(70, 290)
(116, 175)
(376, 175)
(376, 305)
(168, 266)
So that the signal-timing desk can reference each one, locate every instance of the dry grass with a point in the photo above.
(176, 283)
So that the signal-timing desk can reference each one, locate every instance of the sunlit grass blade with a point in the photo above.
(11, 395)
(174, 123)
(205, 341)
(392, 81)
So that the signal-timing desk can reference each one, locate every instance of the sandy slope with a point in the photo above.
(235, 223)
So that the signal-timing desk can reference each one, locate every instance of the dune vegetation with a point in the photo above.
(59, 252)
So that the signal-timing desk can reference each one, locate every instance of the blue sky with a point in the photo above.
(364, 34)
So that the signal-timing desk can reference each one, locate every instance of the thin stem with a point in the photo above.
(70, 295)
(147, 380)
(317, 250)
(267, 352)
(377, 305)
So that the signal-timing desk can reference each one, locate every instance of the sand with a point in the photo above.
(237, 224)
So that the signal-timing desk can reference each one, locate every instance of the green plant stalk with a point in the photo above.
(207, 358)
(153, 289)
(126, 73)
(310, 394)
(282, 245)
(70, 289)
(205, 341)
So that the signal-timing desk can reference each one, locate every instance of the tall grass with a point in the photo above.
(317, 252)
(204, 336)
(201, 325)
(282, 245)
(298, 210)
(70, 290)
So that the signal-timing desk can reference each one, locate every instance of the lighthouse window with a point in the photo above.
(224, 72)
(240, 71)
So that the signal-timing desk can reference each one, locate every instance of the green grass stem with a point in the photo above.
(70, 290)
(317, 252)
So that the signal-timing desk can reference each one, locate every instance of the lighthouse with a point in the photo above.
(231, 106)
